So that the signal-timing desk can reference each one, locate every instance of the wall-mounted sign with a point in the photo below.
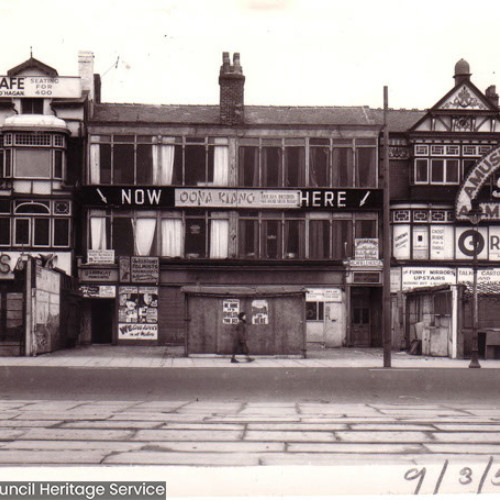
(177, 197)
(98, 274)
(341, 199)
(40, 86)
(144, 269)
(137, 332)
(366, 248)
(8, 261)
(260, 312)
(98, 291)
(324, 295)
(230, 311)
(100, 256)
(236, 198)
(475, 180)
(417, 277)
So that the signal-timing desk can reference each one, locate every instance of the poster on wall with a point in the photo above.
(138, 304)
(230, 311)
(260, 312)
(144, 269)
(128, 331)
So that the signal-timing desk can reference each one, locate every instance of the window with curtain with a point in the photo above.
(98, 233)
(219, 239)
(248, 240)
(319, 239)
(195, 238)
(319, 166)
(342, 167)
(342, 239)
(249, 166)
(294, 166)
(144, 235)
(172, 238)
(366, 166)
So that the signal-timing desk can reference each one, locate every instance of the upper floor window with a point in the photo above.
(272, 163)
(163, 161)
(33, 156)
(342, 164)
(437, 171)
(32, 106)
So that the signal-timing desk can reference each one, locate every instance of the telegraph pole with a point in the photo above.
(386, 246)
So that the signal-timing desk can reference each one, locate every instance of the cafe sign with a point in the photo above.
(40, 86)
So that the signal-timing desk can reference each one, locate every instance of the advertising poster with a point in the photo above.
(260, 312)
(230, 311)
(138, 309)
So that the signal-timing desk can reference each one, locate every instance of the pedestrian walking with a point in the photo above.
(240, 339)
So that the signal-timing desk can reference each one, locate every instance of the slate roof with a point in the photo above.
(399, 120)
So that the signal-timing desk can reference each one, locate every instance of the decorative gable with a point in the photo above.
(32, 66)
(463, 98)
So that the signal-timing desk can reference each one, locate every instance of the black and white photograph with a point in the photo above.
(249, 248)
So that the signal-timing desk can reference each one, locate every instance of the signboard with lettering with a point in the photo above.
(273, 198)
(9, 260)
(416, 277)
(98, 274)
(100, 256)
(230, 311)
(324, 295)
(98, 291)
(40, 86)
(128, 331)
(144, 269)
(366, 248)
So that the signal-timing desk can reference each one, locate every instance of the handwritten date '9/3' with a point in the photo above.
(475, 478)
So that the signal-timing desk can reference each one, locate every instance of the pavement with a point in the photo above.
(168, 356)
(406, 447)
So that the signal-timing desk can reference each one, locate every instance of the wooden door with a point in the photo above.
(360, 317)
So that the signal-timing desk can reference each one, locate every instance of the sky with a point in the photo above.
(293, 52)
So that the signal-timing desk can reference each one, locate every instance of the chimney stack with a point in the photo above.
(492, 95)
(232, 82)
(86, 72)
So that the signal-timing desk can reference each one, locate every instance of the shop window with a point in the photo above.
(319, 239)
(314, 311)
(32, 106)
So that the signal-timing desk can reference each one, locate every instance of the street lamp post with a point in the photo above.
(474, 217)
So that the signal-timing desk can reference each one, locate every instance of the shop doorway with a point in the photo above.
(366, 306)
(102, 311)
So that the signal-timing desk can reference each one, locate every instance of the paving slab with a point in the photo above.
(157, 406)
(300, 426)
(110, 424)
(217, 446)
(157, 417)
(289, 436)
(14, 424)
(467, 437)
(468, 427)
(382, 437)
(391, 426)
(76, 434)
(53, 415)
(56, 457)
(203, 426)
(329, 459)
(187, 435)
(373, 448)
(177, 458)
(107, 446)
(53, 406)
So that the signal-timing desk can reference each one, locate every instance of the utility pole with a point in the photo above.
(386, 246)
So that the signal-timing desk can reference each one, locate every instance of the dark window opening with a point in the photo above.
(194, 165)
(41, 235)
(144, 164)
(123, 163)
(4, 231)
(32, 106)
(319, 239)
(195, 242)
(319, 161)
(22, 231)
(123, 236)
(61, 232)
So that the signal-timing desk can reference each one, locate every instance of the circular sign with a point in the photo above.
(475, 246)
